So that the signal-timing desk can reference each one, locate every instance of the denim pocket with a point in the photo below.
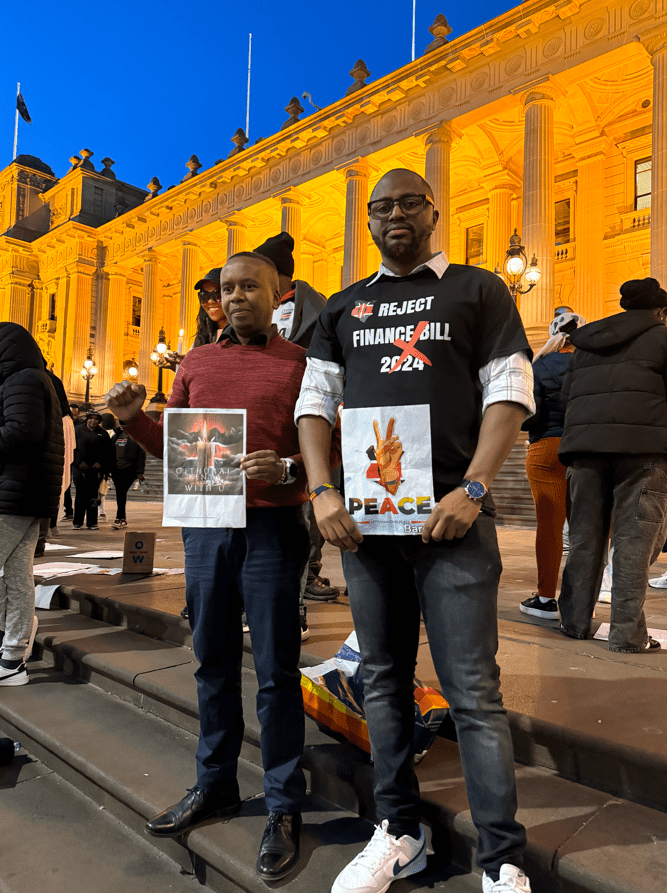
(652, 504)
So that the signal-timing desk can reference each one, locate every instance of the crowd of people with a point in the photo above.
(450, 379)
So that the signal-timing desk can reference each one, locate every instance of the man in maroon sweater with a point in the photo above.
(251, 367)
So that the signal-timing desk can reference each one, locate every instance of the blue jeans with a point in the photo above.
(257, 567)
(628, 493)
(456, 584)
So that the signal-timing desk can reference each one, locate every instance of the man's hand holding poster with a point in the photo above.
(388, 468)
(204, 485)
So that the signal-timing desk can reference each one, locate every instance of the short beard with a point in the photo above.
(400, 250)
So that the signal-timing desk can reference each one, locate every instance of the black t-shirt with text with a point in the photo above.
(422, 340)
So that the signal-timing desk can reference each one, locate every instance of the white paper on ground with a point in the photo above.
(59, 568)
(44, 595)
(168, 571)
(56, 547)
(101, 553)
(659, 634)
(203, 482)
(402, 504)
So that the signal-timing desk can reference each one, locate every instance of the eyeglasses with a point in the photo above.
(206, 296)
(409, 204)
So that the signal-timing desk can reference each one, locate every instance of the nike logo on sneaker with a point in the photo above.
(398, 868)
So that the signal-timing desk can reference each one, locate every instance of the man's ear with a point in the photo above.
(276, 298)
(436, 217)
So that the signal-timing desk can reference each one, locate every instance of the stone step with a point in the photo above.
(73, 841)
(132, 765)
(155, 681)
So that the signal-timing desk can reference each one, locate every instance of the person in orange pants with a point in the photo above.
(546, 474)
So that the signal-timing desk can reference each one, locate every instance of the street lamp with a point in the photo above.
(514, 268)
(88, 372)
(161, 356)
(132, 370)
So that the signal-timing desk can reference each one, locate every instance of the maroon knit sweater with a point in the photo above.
(265, 380)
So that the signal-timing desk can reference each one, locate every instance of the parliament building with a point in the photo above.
(550, 119)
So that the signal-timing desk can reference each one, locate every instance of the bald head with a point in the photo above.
(404, 178)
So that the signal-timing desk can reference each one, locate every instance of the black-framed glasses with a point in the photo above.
(382, 208)
(206, 296)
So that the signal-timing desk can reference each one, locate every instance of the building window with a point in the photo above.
(52, 306)
(475, 245)
(136, 310)
(642, 184)
(563, 222)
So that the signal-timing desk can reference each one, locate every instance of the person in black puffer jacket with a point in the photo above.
(32, 453)
(615, 446)
(92, 460)
(546, 473)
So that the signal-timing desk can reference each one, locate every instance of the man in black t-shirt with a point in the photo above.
(433, 366)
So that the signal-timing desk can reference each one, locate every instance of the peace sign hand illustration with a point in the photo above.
(388, 454)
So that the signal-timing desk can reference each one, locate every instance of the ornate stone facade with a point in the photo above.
(539, 120)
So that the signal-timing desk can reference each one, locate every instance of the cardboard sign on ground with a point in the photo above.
(138, 552)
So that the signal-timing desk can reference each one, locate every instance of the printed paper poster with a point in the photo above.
(388, 468)
(203, 482)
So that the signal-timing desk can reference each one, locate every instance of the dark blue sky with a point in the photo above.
(149, 83)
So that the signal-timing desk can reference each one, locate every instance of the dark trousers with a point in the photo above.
(67, 499)
(87, 483)
(258, 567)
(122, 478)
(456, 585)
(631, 492)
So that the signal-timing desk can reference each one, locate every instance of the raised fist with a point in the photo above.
(125, 400)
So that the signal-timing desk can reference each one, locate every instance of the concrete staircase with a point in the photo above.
(511, 490)
(111, 716)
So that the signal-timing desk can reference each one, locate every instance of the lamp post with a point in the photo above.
(133, 370)
(88, 372)
(514, 268)
(162, 357)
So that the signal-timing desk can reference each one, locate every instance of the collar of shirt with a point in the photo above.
(230, 335)
(289, 296)
(438, 263)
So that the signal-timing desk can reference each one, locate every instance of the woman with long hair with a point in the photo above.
(211, 319)
(546, 474)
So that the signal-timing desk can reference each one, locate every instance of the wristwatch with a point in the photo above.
(291, 471)
(474, 489)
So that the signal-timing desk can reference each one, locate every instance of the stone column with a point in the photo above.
(657, 47)
(191, 272)
(78, 323)
(437, 175)
(21, 298)
(114, 330)
(589, 276)
(539, 215)
(236, 235)
(499, 228)
(355, 251)
(290, 222)
(149, 329)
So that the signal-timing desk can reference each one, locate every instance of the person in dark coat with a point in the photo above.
(615, 446)
(129, 461)
(31, 469)
(546, 473)
(92, 460)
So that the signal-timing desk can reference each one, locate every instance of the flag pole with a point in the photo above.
(247, 107)
(414, 13)
(16, 121)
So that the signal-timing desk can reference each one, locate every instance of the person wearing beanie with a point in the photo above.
(615, 446)
(92, 460)
(546, 473)
(300, 308)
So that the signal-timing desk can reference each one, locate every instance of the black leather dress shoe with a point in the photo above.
(279, 850)
(196, 806)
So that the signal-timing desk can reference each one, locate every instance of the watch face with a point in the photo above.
(475, 490)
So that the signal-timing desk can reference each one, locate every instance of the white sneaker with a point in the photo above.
(385, 859)
(512, 880)
(19, 676)
(659, 582)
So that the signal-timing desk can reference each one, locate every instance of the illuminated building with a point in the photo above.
(551, 118)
